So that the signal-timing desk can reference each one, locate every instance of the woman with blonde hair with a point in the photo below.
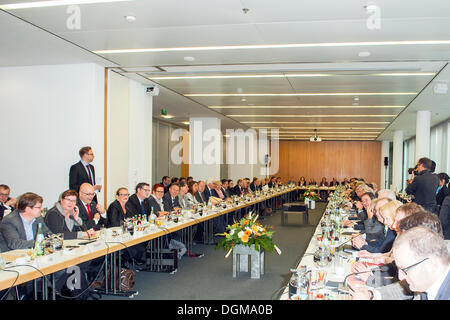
(388, 211)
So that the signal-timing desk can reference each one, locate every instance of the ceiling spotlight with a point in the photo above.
(189, 58)
(130, 18)
(356, 98)
(371, 8)
(364, 54)
(243, 99)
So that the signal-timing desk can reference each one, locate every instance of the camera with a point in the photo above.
(153, 90)
(411, 170)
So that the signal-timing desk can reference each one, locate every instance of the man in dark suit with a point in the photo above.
(138, 202)
(239, 188)
(93, 214)
(170, 199)
(424, 185)
(19, 228)
(6, 203)
(83, 171)
(200, 195)
(444, 217)
(423, 260)
(442, 191)
(165, 182)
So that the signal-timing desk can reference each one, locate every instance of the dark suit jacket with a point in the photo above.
(78, 175)
(214, 193)
(238, 191)
(198, 198)
(115, 214)
(135, 206)
(154, 205)
(57, 224)
(333, 183)
(84, 215)
(226, 192)
(423, 187)
(206, 194)
(444, 216)
(445, 191)
(444, 290)
(167, 201)
(14, 234)
(3, 208)
(381, 246)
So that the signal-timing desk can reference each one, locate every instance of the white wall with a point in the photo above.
(48, 113)
(129, 134)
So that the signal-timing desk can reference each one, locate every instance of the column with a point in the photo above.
(384, 174)
(397, 162)
(422, 134)
(205, 148)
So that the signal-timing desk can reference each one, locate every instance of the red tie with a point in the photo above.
(89, 211)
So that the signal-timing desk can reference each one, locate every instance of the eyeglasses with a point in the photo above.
(405, 270)
(70, 200)
(88, 194)
(4, 194)
(147, 190)
(35, 207)
(124, 194)
(159, 191)
(90, 154)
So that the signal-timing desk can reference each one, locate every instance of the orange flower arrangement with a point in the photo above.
(247, 232)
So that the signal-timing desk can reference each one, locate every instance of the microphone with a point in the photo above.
(82, 226)
(382, 268)
(359, 235)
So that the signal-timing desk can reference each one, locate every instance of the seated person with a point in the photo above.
(19, 228)
(200, 195)
(118, 210)
(6, 203)
(189, 197)
(323, 193)
(138, 202)
(93, 214)
(386, 215)
(155, 200)
(64, 218)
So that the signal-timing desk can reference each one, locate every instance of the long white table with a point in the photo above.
(49, 264)
(333, 274)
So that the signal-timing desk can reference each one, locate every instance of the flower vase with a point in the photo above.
(307, 202)
(312, 204)
(241, 255)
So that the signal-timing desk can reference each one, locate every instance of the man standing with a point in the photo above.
(92, 213)
(6, 203)
(424, 185)
(83, 171)
(138, 202)
(165, 182)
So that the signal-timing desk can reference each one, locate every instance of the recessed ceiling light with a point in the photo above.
(364, 54)
(243, 99)
(279, 46)
(186, 122)
(299, 94)
(167, 116)
(356, 98)
(189, 58)
(130, 18)
(43, 4)
(299, 107)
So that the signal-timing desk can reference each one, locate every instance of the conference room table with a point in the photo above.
(20, 269)
(335, 272)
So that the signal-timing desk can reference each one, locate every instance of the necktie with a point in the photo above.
(142, 207)
(173, 202)
(89, 211)
(89, 173)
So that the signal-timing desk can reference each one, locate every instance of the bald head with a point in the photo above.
(86, 193)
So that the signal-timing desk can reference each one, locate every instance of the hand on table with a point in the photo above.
(358, 242)
(365, 254)
(360, 293)
(348, 223)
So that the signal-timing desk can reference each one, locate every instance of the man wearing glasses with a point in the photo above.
(138, 202)
(422, 259)
(93, 214)
(83, 171)
(6, 203)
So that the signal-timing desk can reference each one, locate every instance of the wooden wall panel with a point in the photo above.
(330, 159)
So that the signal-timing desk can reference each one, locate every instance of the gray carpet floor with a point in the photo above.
(210, 277)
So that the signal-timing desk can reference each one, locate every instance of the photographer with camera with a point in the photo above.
(423, 185)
